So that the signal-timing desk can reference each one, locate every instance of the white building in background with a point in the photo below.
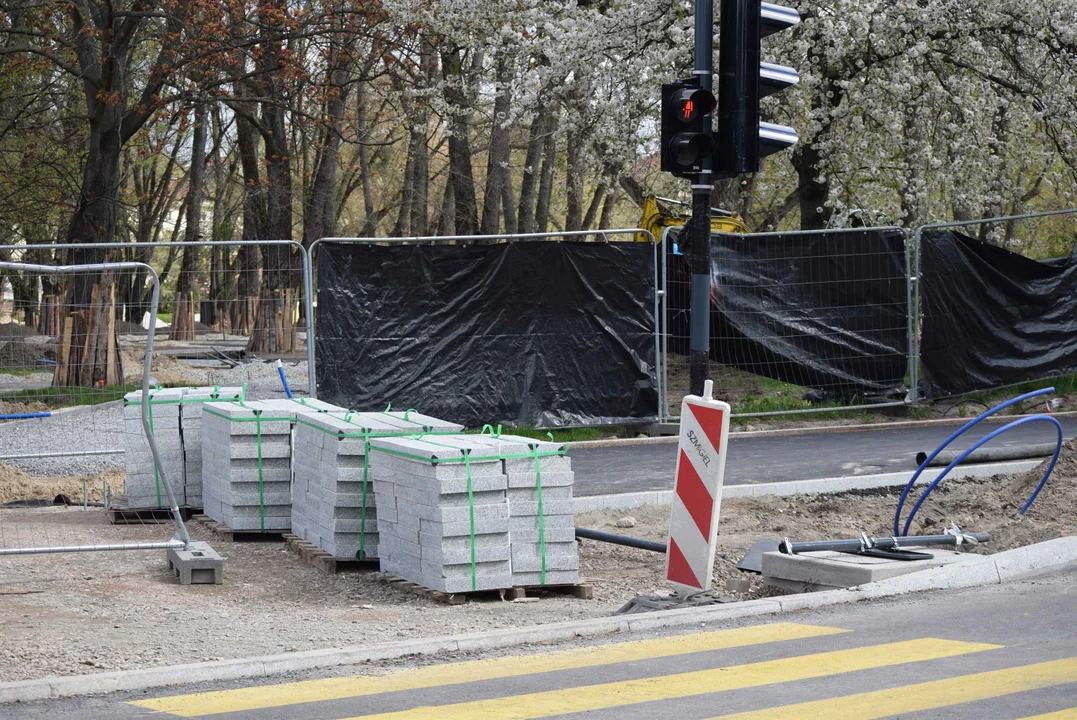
(7, 301)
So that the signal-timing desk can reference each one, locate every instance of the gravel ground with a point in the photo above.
(75, 614)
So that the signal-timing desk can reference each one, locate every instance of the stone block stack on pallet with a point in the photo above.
(542, 527)
(443, 517)
(142, 488)
(191, 432)
(465, 513)
(333, 501)
(246, 466)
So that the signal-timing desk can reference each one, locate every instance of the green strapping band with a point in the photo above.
(178, 401)
(156, 470)
(361, 555)
(471, 511)
(257, 420)
(261, 485)
(541, 515)
(450, 461)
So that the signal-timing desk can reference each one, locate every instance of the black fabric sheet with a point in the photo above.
(826, 311)
(992, 317)
(538, 333)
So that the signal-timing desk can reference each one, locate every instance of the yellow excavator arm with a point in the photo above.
(659, 213)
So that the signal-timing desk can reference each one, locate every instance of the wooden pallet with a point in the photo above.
(119, 513)
(583, 591)
(329, 564)
(228, 534)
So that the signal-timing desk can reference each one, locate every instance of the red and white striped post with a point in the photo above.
(697, 492)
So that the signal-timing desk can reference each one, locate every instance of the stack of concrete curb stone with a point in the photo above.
(333, 501)
(246, 459)
(176, 421)
(142, 488)
(433, 533)
(191, 432)
(531, 532)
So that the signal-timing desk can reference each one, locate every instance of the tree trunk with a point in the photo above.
(89, 349)
(274, 329)
(370, 222)
(814, 214)
(549, 163)
(535, 143)
(497, 166)
(403, 215)
(574, 181)
(607, 208)
(448, 210)
(184, 305)
(466, 214)
(320, 213)
(254, 228)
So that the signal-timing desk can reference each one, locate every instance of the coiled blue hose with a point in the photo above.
(962, 456)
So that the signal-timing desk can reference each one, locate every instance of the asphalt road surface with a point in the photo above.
(634, 468)
(1001, 651)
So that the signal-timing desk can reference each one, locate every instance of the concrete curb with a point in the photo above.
(820, 430)
(624, 501)
(976, 571)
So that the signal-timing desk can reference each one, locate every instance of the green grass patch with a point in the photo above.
(59, 397)
(26, 372)
(1063, 385)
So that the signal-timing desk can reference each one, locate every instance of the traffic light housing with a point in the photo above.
(743, 140)
(687, 135)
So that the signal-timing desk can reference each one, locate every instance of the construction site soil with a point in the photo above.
(82, 613)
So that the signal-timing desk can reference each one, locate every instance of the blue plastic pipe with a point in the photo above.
(984, 441)
(284, 381)
(979, 418)
(25, 416)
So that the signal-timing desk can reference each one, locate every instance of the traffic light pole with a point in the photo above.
(702, 186)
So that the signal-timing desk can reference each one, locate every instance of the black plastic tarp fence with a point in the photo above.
(538, 333)
(827, 311)
(992, 317)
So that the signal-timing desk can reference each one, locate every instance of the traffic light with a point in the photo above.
(687, 135)
(742, 139)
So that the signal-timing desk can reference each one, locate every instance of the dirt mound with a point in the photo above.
(16, 355)
(17, 485)
(974, 504)
(10, 330)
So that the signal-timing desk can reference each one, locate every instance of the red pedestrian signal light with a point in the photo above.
(686, 127)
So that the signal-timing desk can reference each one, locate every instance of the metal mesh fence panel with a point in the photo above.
(992, 302)
(800, 321)
(65, 370)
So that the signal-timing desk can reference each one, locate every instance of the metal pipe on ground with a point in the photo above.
(886, 543)
(995, 454)
(588, 534)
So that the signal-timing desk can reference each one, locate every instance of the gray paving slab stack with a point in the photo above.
(142, 488)
(431, 530)
(191, 433)
(330, 482)
(333, 504)
(535, 468)
(246, 465)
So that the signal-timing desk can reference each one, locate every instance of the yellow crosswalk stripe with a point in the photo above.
(1069, 714)
(700, 682)
(267, 696)
(927, 695)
